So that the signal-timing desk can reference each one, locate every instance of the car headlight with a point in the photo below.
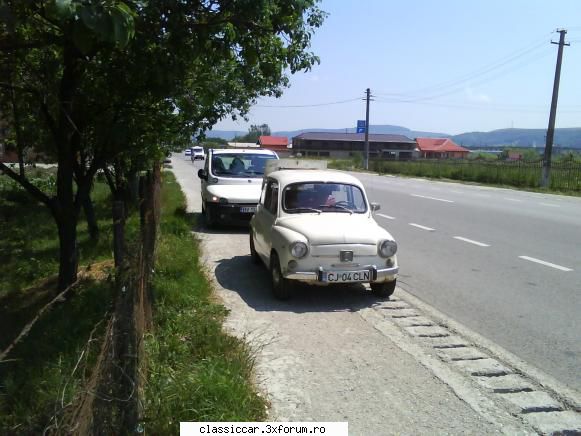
(299, 249)
(387, 248)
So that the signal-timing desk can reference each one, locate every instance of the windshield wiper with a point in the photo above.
(343, 208)
(304, 209)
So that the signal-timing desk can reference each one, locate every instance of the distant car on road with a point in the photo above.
(188, 152)
(197, 153)
(230, 183)
(316, 226)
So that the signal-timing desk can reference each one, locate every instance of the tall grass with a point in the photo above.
(196, 372)
(45, 372)
(565, 176)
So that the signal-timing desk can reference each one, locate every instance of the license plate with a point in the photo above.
(247, 209)
(347, 276)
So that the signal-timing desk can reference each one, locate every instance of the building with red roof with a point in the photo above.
(278, 144)
(441, 148)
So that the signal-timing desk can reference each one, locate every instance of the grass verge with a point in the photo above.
(565, 177)
(29, 248)
(46, 371)
(196, 372)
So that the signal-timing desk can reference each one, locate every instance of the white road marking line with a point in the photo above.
(432, 198)
(385, 216)
(471, 241)
(512, 199)
(549, 205)
(419, 226)
(542, 262)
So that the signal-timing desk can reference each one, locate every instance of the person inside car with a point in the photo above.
(237, 166)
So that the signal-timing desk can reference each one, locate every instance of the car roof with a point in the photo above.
(243, 151)
(286, 177)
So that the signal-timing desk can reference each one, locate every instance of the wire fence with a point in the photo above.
(565, 176)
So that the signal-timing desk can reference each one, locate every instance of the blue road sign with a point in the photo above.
(360, 126)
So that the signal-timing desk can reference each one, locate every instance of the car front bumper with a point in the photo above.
(231, 213)
(377, 275)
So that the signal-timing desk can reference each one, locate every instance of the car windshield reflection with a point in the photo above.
(322, 197)
(239, 164)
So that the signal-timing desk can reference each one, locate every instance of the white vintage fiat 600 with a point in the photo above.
(316, 226)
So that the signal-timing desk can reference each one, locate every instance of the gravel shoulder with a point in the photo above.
(328, 354)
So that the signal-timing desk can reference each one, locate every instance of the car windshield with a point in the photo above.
(323, 197)
(240, 164)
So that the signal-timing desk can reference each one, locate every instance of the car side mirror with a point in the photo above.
(202, 174)
(375, 207)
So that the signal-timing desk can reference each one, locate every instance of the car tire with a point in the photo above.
(209, 216)
(253, 254)
(384, 289)
(280, 285)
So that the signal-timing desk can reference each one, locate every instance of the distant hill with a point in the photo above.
(566, 138)
(394, 130)
(569, 138)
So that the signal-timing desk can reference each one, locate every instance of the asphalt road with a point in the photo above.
(505, 263)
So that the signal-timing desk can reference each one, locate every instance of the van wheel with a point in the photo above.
(383, 290)
(253, 254)
(280, 285)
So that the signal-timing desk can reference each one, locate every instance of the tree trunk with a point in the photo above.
(69, 253)
(132, 195)
(90, 217)
(66, 212)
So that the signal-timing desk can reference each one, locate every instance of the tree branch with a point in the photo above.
(23, 181)
(49, 120)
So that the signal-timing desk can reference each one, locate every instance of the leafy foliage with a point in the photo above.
(111, 83)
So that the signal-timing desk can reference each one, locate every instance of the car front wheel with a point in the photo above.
(280, 285)
(383, 290)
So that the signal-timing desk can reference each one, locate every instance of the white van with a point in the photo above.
(231, 184)
(198, 153)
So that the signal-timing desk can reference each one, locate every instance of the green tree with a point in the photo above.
(254, 132)
(115, 85)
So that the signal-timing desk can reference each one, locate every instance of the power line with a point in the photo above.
(495, 107)
(310, 105)
(461, 85)
(479, 72)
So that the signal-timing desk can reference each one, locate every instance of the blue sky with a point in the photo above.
(446, 66)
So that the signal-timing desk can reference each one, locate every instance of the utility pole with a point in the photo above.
(546, 176)
(366, 147)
